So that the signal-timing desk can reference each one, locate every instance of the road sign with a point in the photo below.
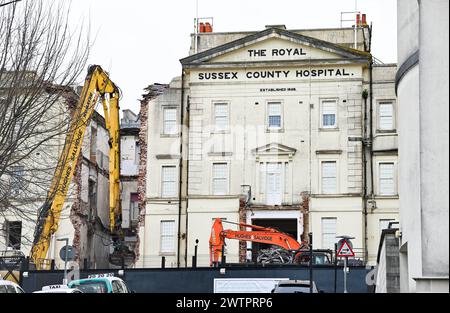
(70, 253)
(345, 250)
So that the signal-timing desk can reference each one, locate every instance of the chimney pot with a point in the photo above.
(202, 28)
(364, 20)
(208, 28)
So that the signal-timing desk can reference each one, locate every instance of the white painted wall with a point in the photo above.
(129, 165)
(423, 146)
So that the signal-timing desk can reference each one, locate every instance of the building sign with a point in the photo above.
(275, 49)
(277, 89)
(276, 52)
(331, 72)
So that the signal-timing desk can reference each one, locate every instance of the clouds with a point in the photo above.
(140, 42)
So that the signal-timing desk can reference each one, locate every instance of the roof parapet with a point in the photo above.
(279, 26)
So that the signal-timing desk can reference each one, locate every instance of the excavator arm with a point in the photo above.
(259, 234)
(97, 87)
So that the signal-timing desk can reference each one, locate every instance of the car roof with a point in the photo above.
(96, 279)
(294, 282)
(7, 282)
(71, 290)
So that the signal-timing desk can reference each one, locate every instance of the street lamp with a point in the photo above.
(65, 258)
(11, 2)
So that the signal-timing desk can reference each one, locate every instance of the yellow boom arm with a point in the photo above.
(97, 85)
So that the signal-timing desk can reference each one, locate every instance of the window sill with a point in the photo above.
(170, 136)
(329, 129)
(328, 195)
(275, 130)
(386, 131)
(386, 197)
(168, 199)
(167, 254)
(215, 132)
(220, 154)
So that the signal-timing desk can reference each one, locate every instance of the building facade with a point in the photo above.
(293, 129)
(422, 88)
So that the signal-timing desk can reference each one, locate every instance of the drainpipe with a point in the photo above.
(180, 167)
(188, 108)
(366, 146)
(371, 112)
(369, 144)
(371, 126)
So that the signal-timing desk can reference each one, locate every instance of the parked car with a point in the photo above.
(7, 286)
(100, 283)
(320, 257)
(58, 289)
(295, 286)
(351, 262)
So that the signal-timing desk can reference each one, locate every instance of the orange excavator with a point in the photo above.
(257, 234)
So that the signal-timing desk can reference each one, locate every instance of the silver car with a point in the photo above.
(295, 286)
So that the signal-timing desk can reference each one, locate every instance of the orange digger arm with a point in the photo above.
(261, 234)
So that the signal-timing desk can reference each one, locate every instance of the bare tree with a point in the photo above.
(41, 59)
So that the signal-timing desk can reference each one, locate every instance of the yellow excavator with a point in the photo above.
(97, 87)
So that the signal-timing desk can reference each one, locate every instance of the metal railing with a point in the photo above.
(203, 260)
(358, 260)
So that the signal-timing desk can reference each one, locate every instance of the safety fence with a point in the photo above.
(329, 279)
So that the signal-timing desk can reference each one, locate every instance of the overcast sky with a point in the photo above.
(140, 42)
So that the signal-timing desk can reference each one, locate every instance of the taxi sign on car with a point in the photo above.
(52, 287)
(101, 275)
(58, 289)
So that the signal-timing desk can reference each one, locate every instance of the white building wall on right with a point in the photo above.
(422, 89)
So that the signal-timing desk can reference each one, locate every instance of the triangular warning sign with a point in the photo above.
(345, 249)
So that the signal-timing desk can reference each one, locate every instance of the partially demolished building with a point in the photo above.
(85, 216)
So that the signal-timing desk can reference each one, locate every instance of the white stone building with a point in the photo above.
(291, 129)
(423, 89)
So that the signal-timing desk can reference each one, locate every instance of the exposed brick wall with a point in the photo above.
(153, 91)
(76, 211)
(142, 178)
(242, 243)
(306, 217)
